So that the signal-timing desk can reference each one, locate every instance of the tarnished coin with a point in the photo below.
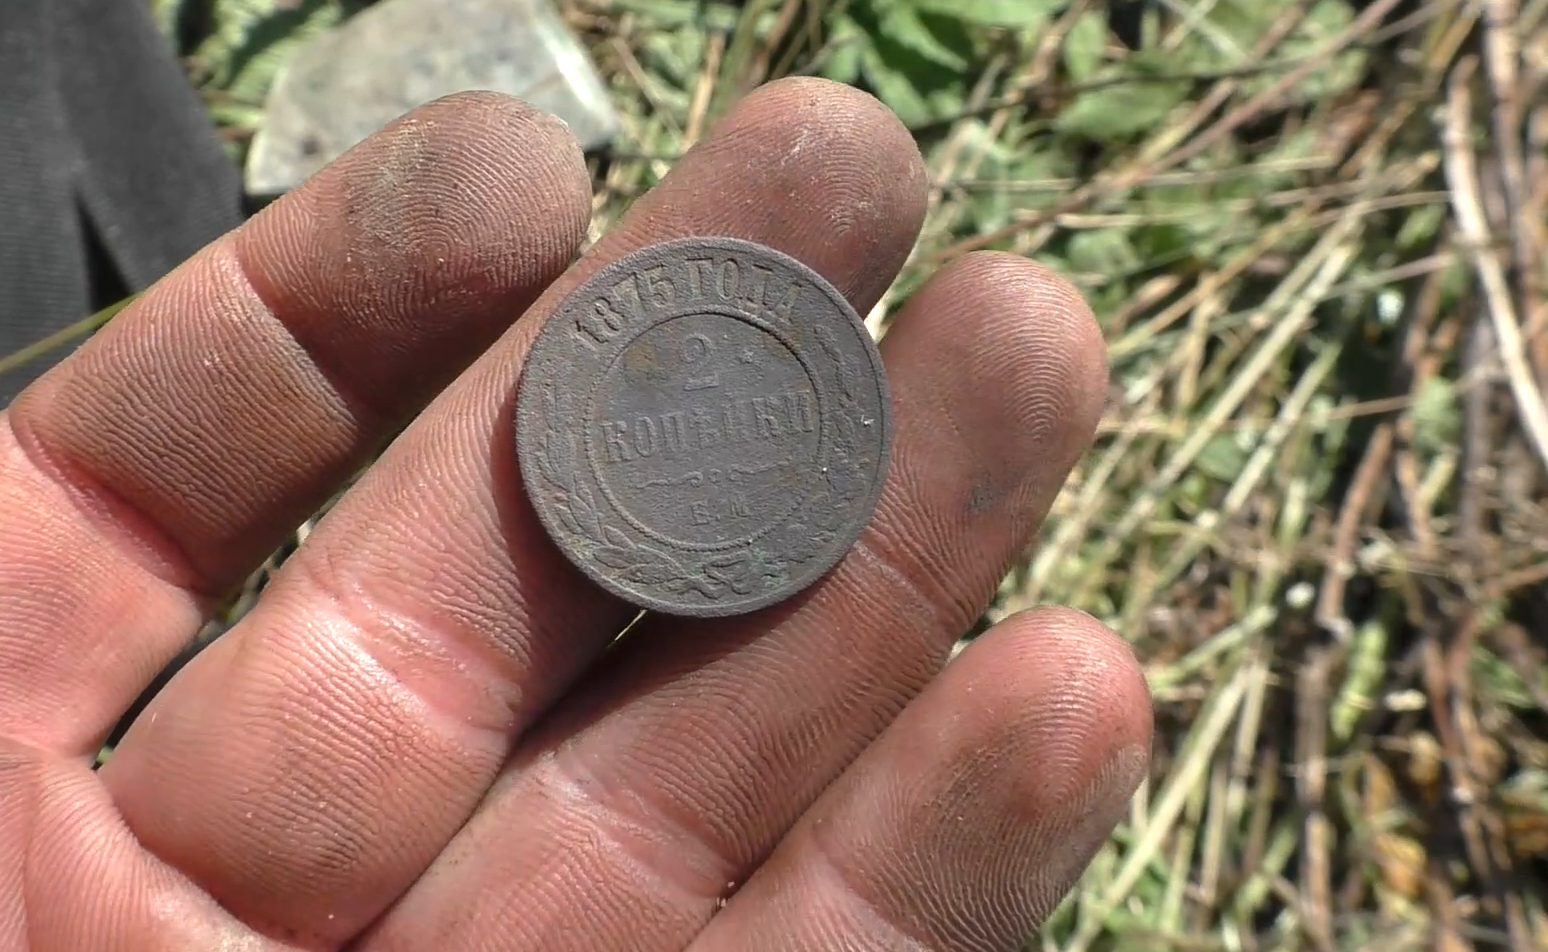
(703, 426)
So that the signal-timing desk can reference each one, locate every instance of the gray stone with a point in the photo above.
(348, 82)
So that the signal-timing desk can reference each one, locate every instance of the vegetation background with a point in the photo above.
(1316, 235)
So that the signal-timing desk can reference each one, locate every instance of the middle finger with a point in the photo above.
(308, 766)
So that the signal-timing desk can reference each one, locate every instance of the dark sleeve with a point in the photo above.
(111, 172)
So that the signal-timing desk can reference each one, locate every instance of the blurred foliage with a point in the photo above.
(235, 48)
(1311, 506)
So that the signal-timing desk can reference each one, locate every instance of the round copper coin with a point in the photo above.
(703, 426)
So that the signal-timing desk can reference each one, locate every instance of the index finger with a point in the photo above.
(168, 456)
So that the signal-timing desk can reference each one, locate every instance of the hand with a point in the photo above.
(416, 740)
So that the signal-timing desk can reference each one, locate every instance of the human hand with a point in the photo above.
(416, 739)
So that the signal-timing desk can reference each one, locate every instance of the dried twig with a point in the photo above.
(1462, 176)
(1352, 514)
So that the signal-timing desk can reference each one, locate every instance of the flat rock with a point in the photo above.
(350, 81)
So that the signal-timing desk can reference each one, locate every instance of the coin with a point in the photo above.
(703, 427)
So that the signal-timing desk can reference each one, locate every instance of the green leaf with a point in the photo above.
(1085, 45)
(235, 114)
(1420, 225)
(1324, 21)
(916, 88)
(676, 55)
(253, 39)
(906, 27)
(1500, 680)
(1276, 167)
(1106, 298)
(1437, 416)
(1104, 251)
(846, 45)
(1528, 788)
(715, 17)
(1120, 112)
(1010, 14)
(1222, 458)
(1007, 164)
(661, 12)
(893, 87)
(1192, 497)
(167, 13)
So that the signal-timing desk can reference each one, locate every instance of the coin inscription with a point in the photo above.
(703, 426)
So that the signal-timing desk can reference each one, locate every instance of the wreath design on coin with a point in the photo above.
(844, 475)
(632, 561)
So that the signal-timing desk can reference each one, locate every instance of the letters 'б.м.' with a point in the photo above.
(703, 427)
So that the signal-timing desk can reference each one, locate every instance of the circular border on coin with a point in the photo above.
(589, 441)
(594, 326)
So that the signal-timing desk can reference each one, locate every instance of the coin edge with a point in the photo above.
(825, 562)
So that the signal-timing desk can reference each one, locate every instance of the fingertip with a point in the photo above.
(1048, 626)
(481, 146)
(813, 168)
(1045, 295)
(405, 257)
(499, 123)
(814, 115)
(1057, 682)
(482, 119)
(979, 809)
(1021, 759)
(1029, 322)
(998, 378)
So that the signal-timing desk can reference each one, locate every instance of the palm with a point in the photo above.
(416, 740)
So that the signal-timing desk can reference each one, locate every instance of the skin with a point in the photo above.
(420, 738)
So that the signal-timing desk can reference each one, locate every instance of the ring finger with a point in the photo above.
(971, 817)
